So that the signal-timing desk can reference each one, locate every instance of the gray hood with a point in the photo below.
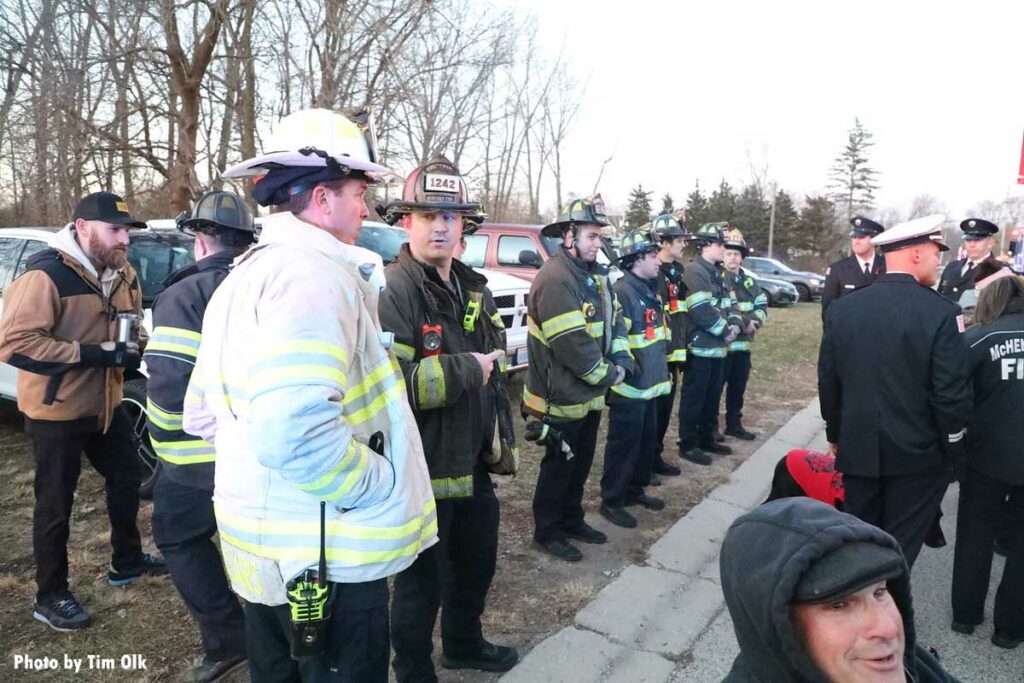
(763, 557)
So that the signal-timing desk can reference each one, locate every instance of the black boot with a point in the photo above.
(666, 470)
(210, 670)
(618, 516)
(716, 448)
(490, 657)
(696, 456)
(740, 433)
(561, 549)
(649, 502)
(586, 533)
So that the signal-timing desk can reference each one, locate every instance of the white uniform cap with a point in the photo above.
(917, 231)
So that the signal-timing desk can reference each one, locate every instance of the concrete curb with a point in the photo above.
(643, 625)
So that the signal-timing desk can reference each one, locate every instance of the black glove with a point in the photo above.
(94, 355)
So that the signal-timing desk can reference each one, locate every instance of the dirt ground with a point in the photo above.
(533, 596)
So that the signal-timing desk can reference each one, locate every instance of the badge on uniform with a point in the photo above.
(960, 323)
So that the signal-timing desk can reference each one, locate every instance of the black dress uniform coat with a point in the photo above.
(954, 282)
(893, 379)
(844, 276)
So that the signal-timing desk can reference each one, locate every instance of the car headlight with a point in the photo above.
(815, 281)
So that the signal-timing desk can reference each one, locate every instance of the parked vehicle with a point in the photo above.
(779, 292)
(509, 291)
(154, 254)
(520, 250)
(808, 284)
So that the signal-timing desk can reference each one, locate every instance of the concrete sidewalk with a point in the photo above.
(665, 620)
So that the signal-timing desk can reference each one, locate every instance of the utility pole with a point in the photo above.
(771, 224)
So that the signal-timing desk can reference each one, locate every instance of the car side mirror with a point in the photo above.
(528, 257)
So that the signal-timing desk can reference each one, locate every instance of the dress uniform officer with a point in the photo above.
(321, 487)
(893, 386)
(448, 339)
(578, 350)
(857, 270)
(751, 304)
(978, 241)
(632, 405)
(183, 519)
(672, 239)
(992, 484)
(713, 326)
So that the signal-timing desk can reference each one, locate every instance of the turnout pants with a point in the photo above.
(630, 450)
(58, 448)
(737, 372)
(183, 528)
(453, 575)
(357, 640)
(664, 412)
(904, 506)
(558, 498)
(981, 502)
(698, 404)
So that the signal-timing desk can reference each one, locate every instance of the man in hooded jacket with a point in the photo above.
(791, 557)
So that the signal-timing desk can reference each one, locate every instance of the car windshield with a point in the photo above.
(383, 239)
(156, 254)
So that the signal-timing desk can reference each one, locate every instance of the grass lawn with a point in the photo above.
(531, 598)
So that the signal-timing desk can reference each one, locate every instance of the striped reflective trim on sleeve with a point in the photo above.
(498, 322)
(339, 480)
(697, 298)
(718, 328)
(659, 389)
(745, 306)
(561, 324)
(596, 374)
(739, 345)
(596, 329)
(428, 384)
(176, 340)
(452, 487)
(365, 400)
(574, 411)
(163, 419)
(956, 437)
(761, 299)
(188, 452)
(620, 345)
(713, 352)
(677, 356)
(349, 544)
(297, 363)
(403, 351)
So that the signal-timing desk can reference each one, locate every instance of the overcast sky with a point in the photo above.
(681, 91)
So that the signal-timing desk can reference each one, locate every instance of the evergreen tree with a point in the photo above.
(667, 205)
(751, 217)
(786, 218)
(696, 209)
(851, 178)
(722, 205)
(638, 211)
(816, 228)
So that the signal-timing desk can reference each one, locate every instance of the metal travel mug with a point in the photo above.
(126, 326)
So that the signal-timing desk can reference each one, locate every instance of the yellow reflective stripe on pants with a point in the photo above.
(429, 383)
(452, 487)
(184, 452)
(659, 389)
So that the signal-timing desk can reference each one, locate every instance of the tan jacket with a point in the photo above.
(55, 316)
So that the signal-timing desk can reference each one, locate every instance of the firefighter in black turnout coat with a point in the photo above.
(183, 518)
(857, 270)
(893, 386)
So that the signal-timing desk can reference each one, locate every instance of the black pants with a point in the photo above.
(698, 404)
(453, 575)
(904, 506)
(736, 375)
(630, 450)
(664, 411)
(983, 500)
(183, 528)
(357, 646)
(58, 448)
(558, 498)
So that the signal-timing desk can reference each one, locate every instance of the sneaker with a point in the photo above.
(560, 548)
(618, 516)
(210, 670)
(716, 448)
(1005, 639)
(62, 613)
(696, 456)
(649, 502)
(149, 566)
(586, 533)
(740, 433)
(490, 658)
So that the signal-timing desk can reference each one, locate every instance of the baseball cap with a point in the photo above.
(107, 207)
